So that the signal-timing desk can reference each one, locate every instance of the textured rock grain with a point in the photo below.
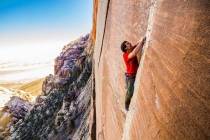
(171, 97)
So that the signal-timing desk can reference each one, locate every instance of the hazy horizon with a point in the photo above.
(33, 32)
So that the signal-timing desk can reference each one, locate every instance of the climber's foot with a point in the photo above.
(124, 112)
(126, 107)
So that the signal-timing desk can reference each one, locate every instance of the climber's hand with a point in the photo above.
(137, 48)
(143, 41)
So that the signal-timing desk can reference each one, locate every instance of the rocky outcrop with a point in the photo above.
(63, 109)
(18, 108)
(13, 111)
(171, 97)
(15, 104)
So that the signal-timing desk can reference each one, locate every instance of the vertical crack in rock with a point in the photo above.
(130, 113)
(171, 94)
(93, 127)
(104, 32)
(101, 20)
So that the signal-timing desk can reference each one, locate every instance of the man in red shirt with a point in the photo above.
(130, 58)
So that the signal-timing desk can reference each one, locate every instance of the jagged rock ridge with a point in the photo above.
(62, 110)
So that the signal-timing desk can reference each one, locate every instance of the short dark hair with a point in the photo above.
(123, 46)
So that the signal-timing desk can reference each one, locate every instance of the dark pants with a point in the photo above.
(129, 87)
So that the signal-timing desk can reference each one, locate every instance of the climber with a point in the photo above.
(130, 58)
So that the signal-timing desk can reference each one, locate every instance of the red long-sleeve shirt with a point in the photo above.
(132, 64)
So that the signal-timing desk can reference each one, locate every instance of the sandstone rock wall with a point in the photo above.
(94, 21)
(172, 92)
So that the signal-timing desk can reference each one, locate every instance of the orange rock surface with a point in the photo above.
(172, 89)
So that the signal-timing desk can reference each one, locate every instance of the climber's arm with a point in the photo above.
(137, 48)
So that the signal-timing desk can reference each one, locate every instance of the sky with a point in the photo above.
(32, 21)
(33, 32)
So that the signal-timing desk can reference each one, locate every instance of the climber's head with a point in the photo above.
(126, 46)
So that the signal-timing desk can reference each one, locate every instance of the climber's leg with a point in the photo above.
(126, 95)
(130, 87)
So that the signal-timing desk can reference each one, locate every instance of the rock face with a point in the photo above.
(13, 111)
(172, 93)
(15, 104)
(62, 111)
(18, 108)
